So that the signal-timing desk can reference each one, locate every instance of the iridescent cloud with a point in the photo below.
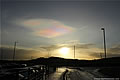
(46, 27)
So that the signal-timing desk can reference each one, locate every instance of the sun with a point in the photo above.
(64, 50)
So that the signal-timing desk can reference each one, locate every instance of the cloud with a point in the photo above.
(70, 45)
(114, 49)
(46, 27)
(79, 46)
(111, 52)
(51, 47)
(97, 55)
(83, 51)
(21, 53)
(85, 46)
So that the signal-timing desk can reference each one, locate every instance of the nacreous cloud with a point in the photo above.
(46, 27)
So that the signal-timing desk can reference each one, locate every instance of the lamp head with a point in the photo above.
(102, 29)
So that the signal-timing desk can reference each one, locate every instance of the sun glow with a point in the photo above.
(64, 50)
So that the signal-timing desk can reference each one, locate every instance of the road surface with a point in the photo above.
(74, 74)
(58, 75)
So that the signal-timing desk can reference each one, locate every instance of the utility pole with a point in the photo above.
(14, 50)
(101, 55)
(74, 51)
(1, 53)
(104, 41)
(48, 50)
(48, 53)
(31, 57)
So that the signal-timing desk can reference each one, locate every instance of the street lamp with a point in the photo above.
(104, 41)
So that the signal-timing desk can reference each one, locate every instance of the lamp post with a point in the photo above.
(104, 41)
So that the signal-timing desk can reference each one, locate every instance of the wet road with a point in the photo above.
(74, 74)
(57, 75)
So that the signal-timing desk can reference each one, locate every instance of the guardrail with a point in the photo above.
(37, 72)
(33, 73)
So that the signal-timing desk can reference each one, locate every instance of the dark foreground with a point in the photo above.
(60, 69)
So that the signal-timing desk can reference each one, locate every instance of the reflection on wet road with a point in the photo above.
(57, 75)
(73, 74)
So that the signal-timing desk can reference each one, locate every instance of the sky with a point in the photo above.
(44, 28)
